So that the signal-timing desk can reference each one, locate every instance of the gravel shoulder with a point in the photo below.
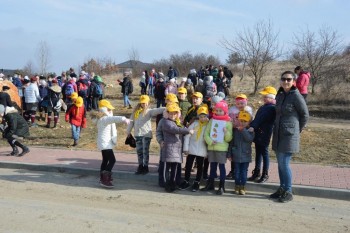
(54, 202)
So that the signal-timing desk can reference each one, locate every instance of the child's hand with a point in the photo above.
(224, 129)
(185, 152)
(162, 144)
(214, 142)
(251, 129)
(127, 121)
(229, 159)
(191, 131)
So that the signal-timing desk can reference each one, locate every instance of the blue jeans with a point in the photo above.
(262, 154)
(284, 171)
(150, 89)
(75, 132)
(142, 149)
(241, 172)
(126, 100)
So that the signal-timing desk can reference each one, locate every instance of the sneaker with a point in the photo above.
(195, 186)
(139, 170)
(130, 107)
(277, 194)
(237, 188)
(286, 197)
(184, 185)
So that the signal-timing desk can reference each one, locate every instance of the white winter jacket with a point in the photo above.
(107, 131)
(191, 144)
(31, 93)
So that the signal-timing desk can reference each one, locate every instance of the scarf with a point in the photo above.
(137, 113)
(221, 118)
(178, 122)
(201, 126)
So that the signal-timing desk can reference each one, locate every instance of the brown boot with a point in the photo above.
(106, 182)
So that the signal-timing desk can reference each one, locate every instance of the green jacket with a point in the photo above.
(184, 105)
(223, 146)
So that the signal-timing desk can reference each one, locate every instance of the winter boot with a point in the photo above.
(255, 175)
(48, 122)
(75, 143)
(221, 189)
(130, 107)
(264, 177)
(25, 149)
(145, 170)
(209, 186)
(237, 188)
(242, 190)
(14, 152)
(55, 120)
(105, 182)
(139, 170)
(277, 194)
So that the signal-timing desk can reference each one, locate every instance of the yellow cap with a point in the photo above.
(79, 102)
(74, 95)
(241, 96)
(268, 91)
(173, 107)
(144, 99)
(172, 98)
(105, 103)
(198, 95)
(244, 116)
(182, 90)
(202, 110)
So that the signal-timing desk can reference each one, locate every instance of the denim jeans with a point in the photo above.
(241, 172)
(126, 100)
(142, 149)
(262, 154)
(284, 171)
(75, 132)
(150, 89)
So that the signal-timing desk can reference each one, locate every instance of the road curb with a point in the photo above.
(310, 191)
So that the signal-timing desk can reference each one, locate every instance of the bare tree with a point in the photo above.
(43, 52)
(29, 69)
(258, 47)
(316, 52)
(134, 58)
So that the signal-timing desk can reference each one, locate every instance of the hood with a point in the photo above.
(10, 110)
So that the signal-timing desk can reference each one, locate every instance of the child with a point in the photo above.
(217, 151)
(183, 102)
(240, 151)
(107, 139)
(76, 116)
(16, 127)
(262, 126)
(241, 102)
(141, 122)
(171, 150)
(195, 148)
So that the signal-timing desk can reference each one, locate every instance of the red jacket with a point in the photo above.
(76, 116)
(303, 82)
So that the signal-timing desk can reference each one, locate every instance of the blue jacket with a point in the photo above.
(263, 124)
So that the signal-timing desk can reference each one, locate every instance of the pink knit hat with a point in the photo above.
(223, 106)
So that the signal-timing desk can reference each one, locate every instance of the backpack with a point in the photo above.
(82, 89)
(131, 87)
(69, 89)
(208, 91)
(98, 90)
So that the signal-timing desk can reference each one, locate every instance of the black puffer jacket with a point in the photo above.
(16, 125)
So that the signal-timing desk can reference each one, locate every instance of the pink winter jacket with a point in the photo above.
(303, 82)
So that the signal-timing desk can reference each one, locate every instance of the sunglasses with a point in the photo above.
(286, 79)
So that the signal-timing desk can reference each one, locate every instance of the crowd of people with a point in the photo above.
(193, 119)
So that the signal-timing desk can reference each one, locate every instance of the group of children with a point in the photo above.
(205, 134)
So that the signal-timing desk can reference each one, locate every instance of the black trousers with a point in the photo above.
(108, 160)
(172, 168)
(189, 164)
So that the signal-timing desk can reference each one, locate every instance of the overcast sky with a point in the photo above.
(76, 30)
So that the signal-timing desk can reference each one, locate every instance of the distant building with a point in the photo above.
(133, 66)
(7, 72)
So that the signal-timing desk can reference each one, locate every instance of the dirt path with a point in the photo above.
(329, 123)
(51, 202)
